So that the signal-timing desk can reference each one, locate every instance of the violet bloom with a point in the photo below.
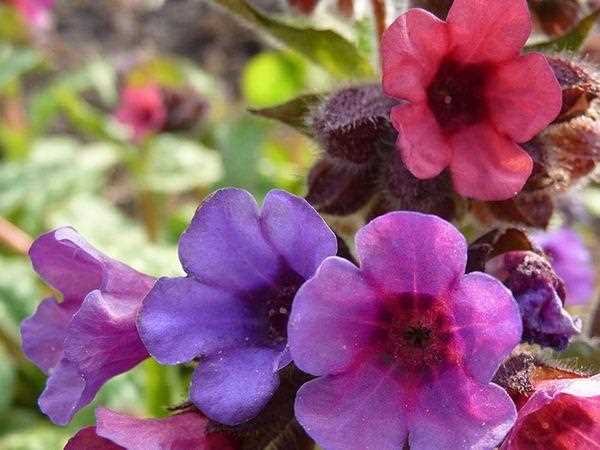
(244, 267)
(114, 431)
(540, 295)
(405, 345)
(90, 336)
(469, 94)
(560, 415)
(143, 110)
(572, 262)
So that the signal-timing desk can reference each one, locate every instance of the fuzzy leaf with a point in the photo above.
(294, 113)
(571, 41)
(324, 47)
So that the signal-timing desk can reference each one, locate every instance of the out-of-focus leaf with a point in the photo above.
(295, 113)
(40, 437)
(324, 47)
(571, 41)
(175, 164)
(7, 380)
(16, 62)
(163, 71)
(271, 78)
(19, 293)
(581, 355)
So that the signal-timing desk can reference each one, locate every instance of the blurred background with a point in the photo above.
(118, 117)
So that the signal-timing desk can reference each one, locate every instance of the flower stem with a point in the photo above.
(14, 238)
(158, 395)
(379, 13)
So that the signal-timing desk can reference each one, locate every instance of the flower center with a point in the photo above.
(456, 96)
(415, 334)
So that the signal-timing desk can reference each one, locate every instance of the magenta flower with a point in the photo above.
(90, 336)
(404, 346)
(116, 431)
(142, 109)
(469, 95)
(561, 414)
(244, 267)
(35, 12)
(572, 262)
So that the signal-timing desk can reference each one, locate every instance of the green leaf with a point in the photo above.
(323, 47)
(295, 113)
(571, 41)
(16, 62)
(174, 164)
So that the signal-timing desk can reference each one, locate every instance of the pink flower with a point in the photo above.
(469, 95)
(142, 109)
(561, 414)
(35, 12)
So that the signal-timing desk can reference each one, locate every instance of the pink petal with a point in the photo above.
(359, 410)
(459, 414)
(488, 31)
(410, 252)
(410, 56)
(524, 96)
(486, 165)
(423, 147)
(332, 318)
(488, 323)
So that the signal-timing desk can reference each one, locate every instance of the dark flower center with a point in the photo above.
(456, 96)
(415, 334)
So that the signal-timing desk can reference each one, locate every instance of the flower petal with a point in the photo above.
(490, 31)
(182, 319)
(225, 244)
(87, 439)
(358, 410)
(459, 414)
(232, 386)
(488, 323)
(421, 143)
(523, 96)
(43, 334)
(409, 55)
(331, 318)
(486, 165)
(297, 232)
(411, 252)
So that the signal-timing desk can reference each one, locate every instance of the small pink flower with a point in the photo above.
(35, 12)
(143, 110)
(561, 414)
(469, 95)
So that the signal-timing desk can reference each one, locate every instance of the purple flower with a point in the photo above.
(404, 346)
(572, 262)
(90, 336)
(540, 295)
(244, 267)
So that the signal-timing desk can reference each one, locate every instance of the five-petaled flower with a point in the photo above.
(561, 414)
(143, 110)
(113, 431)
(244, 268)
(469, 95)
(404, 346)
(90, 336)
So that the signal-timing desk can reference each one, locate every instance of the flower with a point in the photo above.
(469, 96)
(35, 12)
(540, 295)
(572, 262)
(561, 414)
(244, 267)
(91, 335)
(142, 109)
(113, 431)
(404, 346)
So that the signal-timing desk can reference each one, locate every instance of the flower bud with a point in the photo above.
(556, 17)
(185, 108)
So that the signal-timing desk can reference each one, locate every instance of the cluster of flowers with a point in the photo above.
(409, 345)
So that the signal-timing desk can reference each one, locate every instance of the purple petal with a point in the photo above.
(297, 232)
(182, 431)
(411, 252)
(65, 393)
(233, 386)
(182, 319)
(225, 245)
(43, 334)
(488, 322)
(457, 413)
(87, 439)
(332, 318)
(358, 410)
